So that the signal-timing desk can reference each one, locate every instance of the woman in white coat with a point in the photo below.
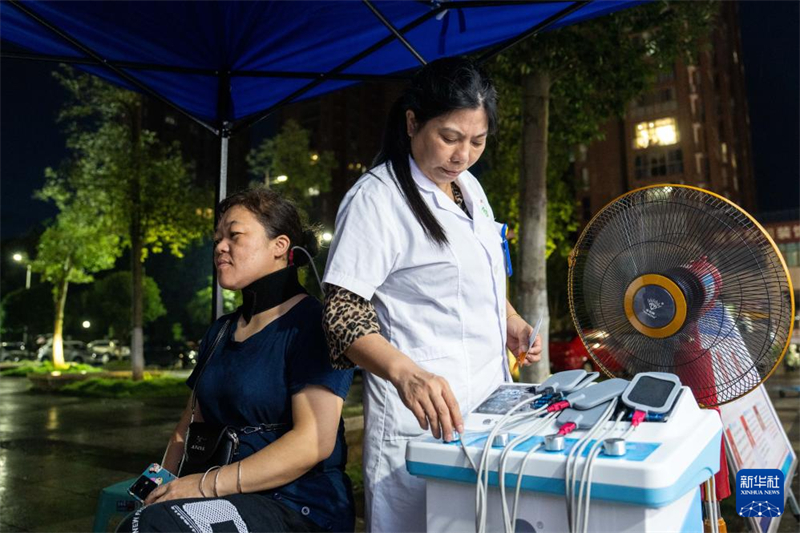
(416, 283)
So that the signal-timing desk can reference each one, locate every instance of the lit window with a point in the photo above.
(661, 132)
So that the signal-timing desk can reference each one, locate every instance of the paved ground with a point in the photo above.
(56, 452)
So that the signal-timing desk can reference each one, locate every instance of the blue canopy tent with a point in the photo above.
(227, 65)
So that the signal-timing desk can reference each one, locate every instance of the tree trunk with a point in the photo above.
(137, 340)
(532, 288)
(60, 300)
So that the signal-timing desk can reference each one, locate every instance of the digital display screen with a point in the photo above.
(651, 391)
(503, 399)
(142, 487)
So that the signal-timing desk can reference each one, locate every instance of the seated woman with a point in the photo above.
(272, 367)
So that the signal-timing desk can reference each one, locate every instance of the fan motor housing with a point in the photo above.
(655, 305)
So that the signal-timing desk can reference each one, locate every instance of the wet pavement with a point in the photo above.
(57, 452)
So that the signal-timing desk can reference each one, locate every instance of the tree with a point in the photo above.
(23, 307)
(110, 303)
(151, 200)
(289, 154)
(559, 89)
(78, 244)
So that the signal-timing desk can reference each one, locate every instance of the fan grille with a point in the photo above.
(727, 346)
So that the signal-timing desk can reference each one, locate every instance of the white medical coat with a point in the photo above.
(444, 307)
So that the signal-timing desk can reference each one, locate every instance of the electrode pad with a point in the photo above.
(652, 392)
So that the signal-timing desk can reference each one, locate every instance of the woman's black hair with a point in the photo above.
(440, 87)
(278, 215)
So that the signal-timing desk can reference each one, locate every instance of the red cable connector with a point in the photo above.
(558, 406)
(638, 418)
(567, 428)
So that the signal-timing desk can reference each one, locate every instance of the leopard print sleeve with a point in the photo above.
(346, 317)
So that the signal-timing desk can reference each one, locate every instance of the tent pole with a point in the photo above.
(394, 31)
(222, 191)
(223, 106)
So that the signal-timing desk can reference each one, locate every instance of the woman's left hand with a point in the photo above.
(519, 332)
(183, 487)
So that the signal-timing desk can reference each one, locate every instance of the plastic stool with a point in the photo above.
(114, 500)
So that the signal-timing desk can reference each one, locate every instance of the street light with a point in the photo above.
(86, 324)
(327, 237)
(281, 178)
(19, 258)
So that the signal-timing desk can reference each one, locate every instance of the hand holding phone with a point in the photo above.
(152, 477)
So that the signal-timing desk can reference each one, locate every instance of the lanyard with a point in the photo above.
(506, 253)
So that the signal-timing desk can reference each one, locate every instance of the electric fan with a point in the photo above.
(673, 278)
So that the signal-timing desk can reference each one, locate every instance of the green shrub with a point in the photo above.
(154, 387)
(47, 367)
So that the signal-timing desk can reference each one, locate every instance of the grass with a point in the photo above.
(46, 368)
(152, 387)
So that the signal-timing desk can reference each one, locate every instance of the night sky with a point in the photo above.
(30, 99)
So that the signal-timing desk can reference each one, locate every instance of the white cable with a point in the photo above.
(572, 472)
(311, 262)
(595, 447)
(483, 478)
(473, 465)
(575, 452)
(594, 451)
(519, 484)
(481, 489)
(464, 449)
(588, 480)
(572, 458)
(533, 430)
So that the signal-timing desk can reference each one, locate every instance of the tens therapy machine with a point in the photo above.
(573, 455)
(684, 301)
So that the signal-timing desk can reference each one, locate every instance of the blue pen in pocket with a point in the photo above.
(506, 253)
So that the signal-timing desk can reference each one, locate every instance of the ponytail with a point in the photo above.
(396, 150)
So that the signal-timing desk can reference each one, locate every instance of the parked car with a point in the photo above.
(15, 352)
(175, 355)
(109, 347)
(74, 352)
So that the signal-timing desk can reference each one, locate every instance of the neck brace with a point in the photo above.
(270, 291)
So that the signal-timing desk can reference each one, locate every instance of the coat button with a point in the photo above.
(305, 511)
(276, 496)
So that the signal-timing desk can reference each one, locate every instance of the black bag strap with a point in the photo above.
(222, 332)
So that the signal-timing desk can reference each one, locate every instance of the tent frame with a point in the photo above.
(223, 128)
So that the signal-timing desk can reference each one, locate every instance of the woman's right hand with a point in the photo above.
(431, 400)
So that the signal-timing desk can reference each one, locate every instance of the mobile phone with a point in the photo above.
(152, 477)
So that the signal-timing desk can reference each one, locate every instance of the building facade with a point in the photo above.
(692, 128)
